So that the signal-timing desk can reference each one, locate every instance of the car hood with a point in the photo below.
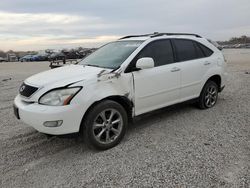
(64, 75)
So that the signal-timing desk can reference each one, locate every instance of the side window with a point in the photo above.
(207, 52)
(185, 49)
(199, 51)
(161, 52)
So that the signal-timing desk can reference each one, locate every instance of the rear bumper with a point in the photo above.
(35, 115)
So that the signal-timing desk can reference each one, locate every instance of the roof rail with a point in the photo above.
(170, 34)
(156, 34)
(145, 35)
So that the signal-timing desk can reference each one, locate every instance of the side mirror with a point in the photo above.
(145, 63)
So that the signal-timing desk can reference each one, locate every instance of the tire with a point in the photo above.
(209, 95)
(102, 132)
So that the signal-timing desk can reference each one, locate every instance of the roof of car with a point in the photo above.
(160, 35)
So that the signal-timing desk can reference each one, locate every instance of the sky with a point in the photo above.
(56, 24)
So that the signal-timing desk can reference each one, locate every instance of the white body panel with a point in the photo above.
(147, 89)
(192, 73)
(156, 87)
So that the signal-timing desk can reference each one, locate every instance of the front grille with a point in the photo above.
(27, 90)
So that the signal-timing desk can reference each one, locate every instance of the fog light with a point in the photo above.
(53, 123)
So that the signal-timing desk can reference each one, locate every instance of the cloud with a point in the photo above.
(43, 42)
(33, 31)
(62, 23)
(32, 23)
(26, 18)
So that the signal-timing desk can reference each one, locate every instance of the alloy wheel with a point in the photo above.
(107, 126)
(211, 95)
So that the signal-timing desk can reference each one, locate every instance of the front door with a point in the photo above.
(159, 86)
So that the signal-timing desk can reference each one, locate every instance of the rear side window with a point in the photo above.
(207, 52)
(161, 51)
(185, 49)
(199, 51)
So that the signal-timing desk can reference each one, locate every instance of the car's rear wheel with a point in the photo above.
(209, 95)
(105, 125)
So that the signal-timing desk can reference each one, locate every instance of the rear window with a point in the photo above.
(207, 52)
(185, 49)
(199, 51)
(189, 50)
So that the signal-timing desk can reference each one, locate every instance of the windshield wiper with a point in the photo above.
(97, 66)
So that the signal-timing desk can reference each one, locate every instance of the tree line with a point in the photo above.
(236, 40)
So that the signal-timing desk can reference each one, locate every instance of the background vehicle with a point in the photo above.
(39, 58)
(215, 44)
(57, 56)
(26, 58)
(3, 59)
(121, 80)
(66, 57)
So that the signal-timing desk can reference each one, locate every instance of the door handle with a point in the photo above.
(175, 69)
(207, 63)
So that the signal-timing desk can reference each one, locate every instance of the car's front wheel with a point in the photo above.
(105, 125)
(209, 95)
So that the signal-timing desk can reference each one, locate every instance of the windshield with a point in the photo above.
(111, 55)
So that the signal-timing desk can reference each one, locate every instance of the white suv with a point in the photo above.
(119, 81)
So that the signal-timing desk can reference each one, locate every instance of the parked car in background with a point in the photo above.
(26, 58)
(57, 56)
(39, 58)
(3, 59)
(122, 80)
(72, 54)
(215, 44)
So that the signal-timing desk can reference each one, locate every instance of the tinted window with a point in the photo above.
(199, 51)
(161, 52)
(207, 52)
(185, 50)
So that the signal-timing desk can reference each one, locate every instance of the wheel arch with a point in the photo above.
(124, 101)
(215, 78)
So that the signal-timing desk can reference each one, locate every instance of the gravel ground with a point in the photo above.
(179, 146)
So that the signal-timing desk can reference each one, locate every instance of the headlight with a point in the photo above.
(59, 97)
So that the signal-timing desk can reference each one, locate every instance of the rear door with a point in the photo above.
(159, 86)
(193, 64)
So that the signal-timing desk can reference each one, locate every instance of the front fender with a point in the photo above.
(97, 90)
